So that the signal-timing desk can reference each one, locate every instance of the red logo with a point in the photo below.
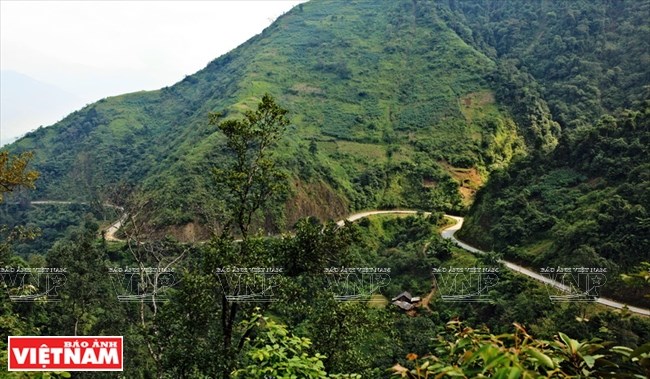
(72, 353)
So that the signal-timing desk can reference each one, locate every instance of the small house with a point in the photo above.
(405, 301)
(404, 296)
(403, 305)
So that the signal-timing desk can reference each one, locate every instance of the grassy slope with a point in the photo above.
(386, 90)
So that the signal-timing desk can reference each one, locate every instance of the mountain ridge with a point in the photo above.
(349, 91)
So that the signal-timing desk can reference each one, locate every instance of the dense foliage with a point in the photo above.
(585, 204)
(49, 221)
(584, 58)
(467, 353)
(306, 330)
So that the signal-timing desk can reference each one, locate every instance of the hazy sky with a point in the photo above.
(95, 49)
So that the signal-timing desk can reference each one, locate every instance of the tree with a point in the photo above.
(316, 246)
(249, 182)
(156, 262)
(252, 179)
(87, 287)
(466, 352)
(441, 249)
(639, 280)
(313, 147)
(14, 173)
(276, 353)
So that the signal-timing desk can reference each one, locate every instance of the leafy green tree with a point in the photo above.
(158, 262)
(277, 353)
(15, 174)
(188, 330)
(468, 353)
(440, 248)
(313, 147)
(252, 178)
(316, 246)
(639, 279)
(249, 182)
(87, 290)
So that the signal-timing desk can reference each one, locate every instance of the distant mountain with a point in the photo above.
(27, 103)
(393, 104)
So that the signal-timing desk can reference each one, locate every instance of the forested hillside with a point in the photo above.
(392, 104)
(586, 204)
(583, 203)
(585, 58)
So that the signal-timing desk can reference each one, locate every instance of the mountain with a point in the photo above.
(531, 117)
(393, 104)
(583, 203)
(27, 103)
(398, 106)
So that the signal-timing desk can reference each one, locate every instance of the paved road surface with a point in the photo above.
(449, 232)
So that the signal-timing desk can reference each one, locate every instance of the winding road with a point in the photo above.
(447, 233)
(114, 227)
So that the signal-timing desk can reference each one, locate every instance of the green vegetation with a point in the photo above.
(583, 205)
(183, 337)
(348, 105)
(467, 353)
(14, 175)
(252, 180)
(201, 332)
(584, 58)
(50, 222)
(384, 100)
(280, 354)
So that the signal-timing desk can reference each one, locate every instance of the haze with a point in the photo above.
(57, 56)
